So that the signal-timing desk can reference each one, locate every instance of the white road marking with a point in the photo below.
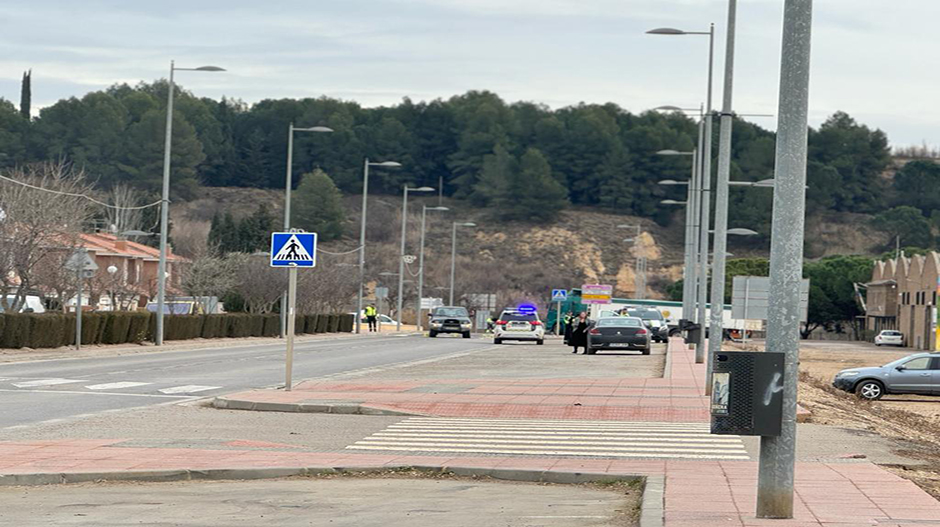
(44, 382)
(76, 392)
(554, 438)
(189, 388)
(116, 385)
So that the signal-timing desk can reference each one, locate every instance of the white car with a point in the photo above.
(889, 337)
(515, 325)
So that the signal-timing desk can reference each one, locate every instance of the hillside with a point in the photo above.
(516, 260)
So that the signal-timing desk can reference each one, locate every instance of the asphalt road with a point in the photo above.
(42, 391)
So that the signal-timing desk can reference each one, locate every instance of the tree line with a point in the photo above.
(484, 149)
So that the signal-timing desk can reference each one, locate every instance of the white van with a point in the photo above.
(32, 304)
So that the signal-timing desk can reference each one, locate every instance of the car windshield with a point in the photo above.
(508, 317)
(891, 333)
(645, 314)
(896, 363)
(450, 312)
(619, 322)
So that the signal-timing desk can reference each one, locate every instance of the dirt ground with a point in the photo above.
(913, 422)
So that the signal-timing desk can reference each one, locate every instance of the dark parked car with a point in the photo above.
(915, 374)
(654, 321)
(450, 319)
(618, 333)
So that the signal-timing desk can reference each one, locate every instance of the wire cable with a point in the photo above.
(357, 249)
(74, 195)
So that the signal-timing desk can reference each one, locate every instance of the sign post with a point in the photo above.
(84, 267)
(293, 250)
(558, 296)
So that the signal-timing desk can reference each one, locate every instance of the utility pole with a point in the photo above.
(778, 453)
(720, 246)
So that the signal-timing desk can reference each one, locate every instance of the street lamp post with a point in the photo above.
(453, 256)
(288, 186)
(721, 200)
(424, 215)
(401, 257)
(778, 454)
(689, 270)
(362, 233)
(165, 201)
(705, 147)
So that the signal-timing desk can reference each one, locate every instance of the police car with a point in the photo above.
(520, 323)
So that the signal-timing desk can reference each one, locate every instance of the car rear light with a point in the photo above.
(641, 331)
(595, 331)
(535, 323)
(500, 322)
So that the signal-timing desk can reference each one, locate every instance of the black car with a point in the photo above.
(654, 321)
(449, 319)
(618, 333)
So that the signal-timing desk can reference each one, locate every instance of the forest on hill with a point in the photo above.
(485, 150)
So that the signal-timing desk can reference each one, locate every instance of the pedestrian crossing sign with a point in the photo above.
(293, 249)
(559, 295)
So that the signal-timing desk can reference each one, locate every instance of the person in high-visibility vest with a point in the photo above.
(371, 317)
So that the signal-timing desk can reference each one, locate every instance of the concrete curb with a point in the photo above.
(350, 407)
(651, 512)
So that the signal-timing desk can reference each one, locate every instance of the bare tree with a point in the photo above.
(54, 281)
(258, 284)
(42, 214)
(123, 217)
(326, 289)
(209, 275)
(122, 296)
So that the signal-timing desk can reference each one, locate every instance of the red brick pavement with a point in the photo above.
(697, 493)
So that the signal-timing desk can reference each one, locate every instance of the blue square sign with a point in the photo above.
(293, 249)
(559, 295)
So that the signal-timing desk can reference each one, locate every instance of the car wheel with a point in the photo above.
(590, 351)
(870, 390)
(646, 351)
(540, 342)
(497, 341)
(466, 335)
(432, 334)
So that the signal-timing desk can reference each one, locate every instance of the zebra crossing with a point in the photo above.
(612, 439)
(135, 388)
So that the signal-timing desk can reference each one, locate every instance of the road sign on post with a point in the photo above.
(559, 295)
(596, 293)
(292, 250)
(84, 267)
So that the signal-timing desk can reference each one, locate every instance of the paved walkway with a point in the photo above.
(697, 493)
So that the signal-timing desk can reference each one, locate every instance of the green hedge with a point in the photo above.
(53, 330)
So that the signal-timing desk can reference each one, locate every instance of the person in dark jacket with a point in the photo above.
(579, 331)
(568, 319)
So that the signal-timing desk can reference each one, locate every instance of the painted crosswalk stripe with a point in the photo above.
(116, 385)
(44, 382)
(555, 438)
(189, 388)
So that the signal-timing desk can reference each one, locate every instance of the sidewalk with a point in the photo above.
(696, 493)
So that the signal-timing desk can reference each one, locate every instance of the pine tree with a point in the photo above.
(530, 193)
(26, 94)
(318, 206)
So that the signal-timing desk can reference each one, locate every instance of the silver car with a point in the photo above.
(915, 374)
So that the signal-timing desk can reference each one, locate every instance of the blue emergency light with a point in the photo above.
(527, 309)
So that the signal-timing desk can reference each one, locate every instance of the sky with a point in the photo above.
(873, 59)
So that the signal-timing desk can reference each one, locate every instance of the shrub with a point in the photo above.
(347, 322)
(213, 326)
(182, 327)
(46, 330)
(323, 323)
(310, 324)
(333, 324)
(272, 325)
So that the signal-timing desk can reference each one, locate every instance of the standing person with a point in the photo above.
(579, 331)
(372, 317)
(569, 317)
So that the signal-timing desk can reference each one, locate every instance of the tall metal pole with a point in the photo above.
(696, 225)
(292, 302)
(287, 190)
(453, 262)
(706, 203)
(424, 214)
(78, 302)
(721, 202)
(362, 244)
(401, 258)
(687, 245)
(164, 212)
(777, 454)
